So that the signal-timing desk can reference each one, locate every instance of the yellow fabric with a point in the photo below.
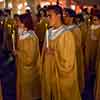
(28, 78)
(91, 49)
(84, 32)
(97, 85)
(79, 55)
(41, 29)
(9, 26)
(59, 71)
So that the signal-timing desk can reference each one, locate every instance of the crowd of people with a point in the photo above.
(53, 55)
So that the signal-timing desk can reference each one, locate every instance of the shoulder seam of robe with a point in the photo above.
(53, 34)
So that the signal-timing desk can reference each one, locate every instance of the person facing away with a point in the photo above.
(58, 60)
(69, 21)
(27, 55)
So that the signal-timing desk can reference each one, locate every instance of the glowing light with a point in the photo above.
(72, 7)
(19, 12)
(28, 8)
(44, 4)
(20, 6)
(78, 9)
(25, 3)
(53, 3)
(10, 5)
(1, 0)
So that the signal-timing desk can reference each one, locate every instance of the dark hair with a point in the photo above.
(1, 13)
(7, 12)
(57, 9)
(43, 10)
(16, 15)
(70, 12)
(26, 19)
(80, 17)
(95, 6)
(97, 13)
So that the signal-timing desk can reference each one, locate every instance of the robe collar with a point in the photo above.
(71, 27)
(54, 33)
(94, 27)
(26, 34)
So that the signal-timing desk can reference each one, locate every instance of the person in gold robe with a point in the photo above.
(28, 77)
(92, 46)
(96, 28)
(59, 69)
(40, 28)
(69, 21)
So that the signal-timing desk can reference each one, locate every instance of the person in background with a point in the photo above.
(96, 54)
(92, 44)
(70, 22)
(40, 28)
(59, 71)
(28, 74)
(7, 58)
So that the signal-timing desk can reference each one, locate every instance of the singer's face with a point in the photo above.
(52, 18)
(96, 20)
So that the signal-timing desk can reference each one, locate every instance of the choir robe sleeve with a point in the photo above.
(27, 70)
(68, 52)
(67, 67)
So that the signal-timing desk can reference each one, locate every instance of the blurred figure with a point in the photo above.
(28, 77)
(59, 71)
(92, 44)
(41, 27)
(70, 22)
(96, 54)
(7, 59)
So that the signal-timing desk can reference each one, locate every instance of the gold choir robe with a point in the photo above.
(28, 78)
(40, 30)
(97, 85)
(84, 31)
(79, 55)
(91, 49)
(59, 69)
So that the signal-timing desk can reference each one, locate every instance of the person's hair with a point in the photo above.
(57, 9)
(7, 12)
(1, 13)
(26, 19)
(71, 13)
(85, 10)
(97, 13)
(16, 15)
(80, 17)
(43, 11)
(95, 6)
